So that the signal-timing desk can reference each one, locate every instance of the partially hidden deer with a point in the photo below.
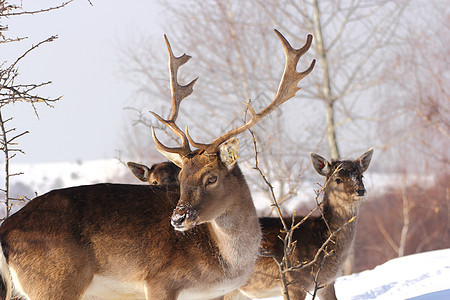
(322, 242)
(116, 241)
(158, 174)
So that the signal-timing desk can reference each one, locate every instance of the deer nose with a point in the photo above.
(361, 192)
(178, 216)
(177, 220)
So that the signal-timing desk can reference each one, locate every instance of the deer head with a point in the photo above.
(343, 178)
(158, 174)
(209, 180)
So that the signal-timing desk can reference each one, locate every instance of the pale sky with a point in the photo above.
(83, 66)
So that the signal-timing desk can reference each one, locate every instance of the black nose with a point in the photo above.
(361, 192)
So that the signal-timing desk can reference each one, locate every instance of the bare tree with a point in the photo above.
(416, 113)
(11, 91)
(237, 60)
(404, 220)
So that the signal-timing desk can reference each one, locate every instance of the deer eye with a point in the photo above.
(211, 180)
(155, 182)
(338, 180)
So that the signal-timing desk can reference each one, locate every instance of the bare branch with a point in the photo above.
(10, 14)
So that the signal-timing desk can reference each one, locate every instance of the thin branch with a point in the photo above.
(35, 11)
(48, 40)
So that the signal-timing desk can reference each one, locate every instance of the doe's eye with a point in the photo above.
(211, 180)
(338, 180)
(155, 182)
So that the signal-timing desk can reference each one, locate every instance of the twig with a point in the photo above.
(35, 11)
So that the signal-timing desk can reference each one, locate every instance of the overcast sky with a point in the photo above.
(83, 66)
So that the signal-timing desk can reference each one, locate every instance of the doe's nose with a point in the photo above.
(361, 192)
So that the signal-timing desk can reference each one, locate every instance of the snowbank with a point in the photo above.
(418, 276)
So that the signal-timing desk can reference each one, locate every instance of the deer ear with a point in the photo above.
(173, 157)
(320, 164)
(142, 172)
(229, 152)
(364, 160)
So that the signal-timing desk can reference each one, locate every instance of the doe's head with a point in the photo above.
(159, 174)
(343, 177)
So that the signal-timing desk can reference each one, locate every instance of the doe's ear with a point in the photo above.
(229, 152)
(364, 160)
(173, 157)
(142, 172)
(320, 164)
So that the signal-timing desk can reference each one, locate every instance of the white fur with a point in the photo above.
(273, 292)
(18, 290)
(103, 287)
(212, 291)
(5, 273)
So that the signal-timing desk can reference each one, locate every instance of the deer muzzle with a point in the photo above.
(183, 217)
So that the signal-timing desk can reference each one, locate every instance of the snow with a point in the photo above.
(419, 276)
(423, 276)
(44, 177)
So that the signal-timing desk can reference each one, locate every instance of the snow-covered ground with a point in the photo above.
(424, 276)
(419, 276)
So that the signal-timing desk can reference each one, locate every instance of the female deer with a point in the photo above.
(158, 174)
(117, 241)
(322, 243)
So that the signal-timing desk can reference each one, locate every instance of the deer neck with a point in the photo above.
(237, 232)
(338, 209)
(341, 216)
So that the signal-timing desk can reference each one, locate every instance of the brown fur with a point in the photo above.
(60, 240)
(340, 204)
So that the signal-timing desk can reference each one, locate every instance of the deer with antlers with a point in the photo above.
(114, 241)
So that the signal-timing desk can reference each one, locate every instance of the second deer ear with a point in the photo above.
(142, 172)
(364, 160)
(173, 157)
(320, 164)
(229, 152)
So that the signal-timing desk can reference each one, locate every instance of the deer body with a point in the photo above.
(342, 194)
(124, 236)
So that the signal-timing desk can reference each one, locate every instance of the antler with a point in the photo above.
(286, 90)
(178, 93)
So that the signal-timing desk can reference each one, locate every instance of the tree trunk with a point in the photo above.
(325, 84)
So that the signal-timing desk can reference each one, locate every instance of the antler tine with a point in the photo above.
(286, 90)
(178, 93)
